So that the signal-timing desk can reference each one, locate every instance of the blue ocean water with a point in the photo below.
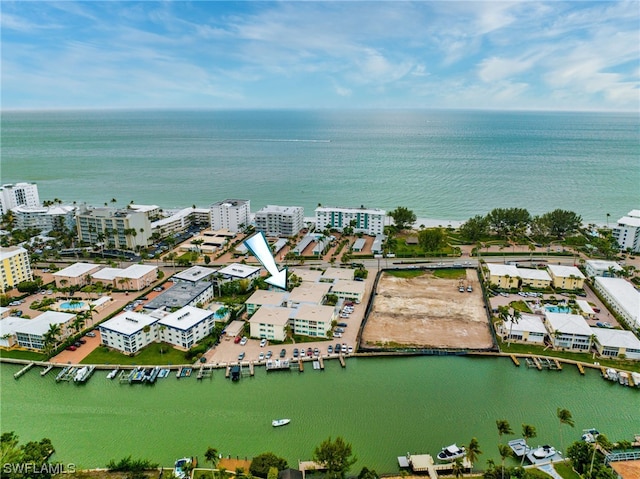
(441, 164)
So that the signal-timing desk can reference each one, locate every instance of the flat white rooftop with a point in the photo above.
(11, 251)
(348, 286)
(76, 270)
(307, 275)
(624, 293)
(568, 323)
(40, 324)
(128, 323)
(186, 317)
(565, 271)
(314, 312)
(309, 293)
(585, 307)
(600, 264)
(107, 274)
(238, 270)
(616, 338)
(528, 322)
(338, 273)
(136, 271)
(195, 273)
(267, 298)
(497, 269)
(529, 273)
(272, 315)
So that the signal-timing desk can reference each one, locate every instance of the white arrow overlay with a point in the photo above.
(259, 247)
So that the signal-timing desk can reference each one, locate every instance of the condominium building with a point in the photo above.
(129, 332)
(270, 323)
(30, 334)
(116, 228)
(568, 331)
(599, 267)
(45, 218)
(364, 220)
(15, 266)
(75, 275)
(280, 220)
(20, 194)
(179, 221)
(627, 231)
(186, 326)
(622, 297)
(566, 277)
(230, 214)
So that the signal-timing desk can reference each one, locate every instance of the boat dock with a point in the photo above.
(227, 373)
(46, 370)
(67, 374)
(300, 365)
(425, 463)
(543, 363)
(277, 364)
(184, 372)
(321, 361)
(23, 370)
(515, 360)
(519, 447)
(342, 363)
(83, 374)
(205, 372)
(62, 373)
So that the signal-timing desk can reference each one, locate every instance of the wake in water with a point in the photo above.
(275, 140)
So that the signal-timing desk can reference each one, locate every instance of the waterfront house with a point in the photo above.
(186, 326)
(264, 298)
(528, 329)
(77, 275)
(8, 326)
(614, 343)
(30, 334)
(312, 320)
(129, 331)
(598, 267)
(568, 331)
(622, 297)
(270, 323)
(566, 277)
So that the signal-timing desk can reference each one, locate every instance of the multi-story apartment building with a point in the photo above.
(275, 220)
(20, 194)
(364, 220)
(232, 215)
(15, 267)
(116, 228)
(627, 231)
(45, 218)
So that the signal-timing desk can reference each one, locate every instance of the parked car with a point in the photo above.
(295, 352)
(263, 343)
(91, 334)
(261, 357)
(330, 349)
(237, 340)
(82, 341)
(243, 341)
(309, 352)
(342, 325)
(339, 330)
(283, 353)
(71, 348)
(241, 356)
(337, 348)
(77, 344)
(269, 354)
(316, 352)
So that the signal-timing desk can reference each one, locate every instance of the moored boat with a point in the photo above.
(543, 452)
(590, 435)
(178, 467)
(280, 422)
(113, 373)
(451, 453)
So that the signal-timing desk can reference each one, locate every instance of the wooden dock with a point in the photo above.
(46, 370)
(251, 368)
(580, 368)
(515, 360)
(425, 463)
(321, 361)
(558, 364)
(227, 373)
(23, 370)
(205, 372)
(300, 365)
(342, 363)
(537, 362)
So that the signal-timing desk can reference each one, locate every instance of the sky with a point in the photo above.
(529, 55)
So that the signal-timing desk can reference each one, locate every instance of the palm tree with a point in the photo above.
(528, 432)
(516, 316)
(565, 417)
(473, 451)
(211, 455)
(78, 323)
(505, 451)
(457, 468)
(503, 428)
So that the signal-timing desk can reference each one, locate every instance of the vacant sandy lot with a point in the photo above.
(427, 312)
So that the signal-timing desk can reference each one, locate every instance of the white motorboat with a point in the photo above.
(590, 435)
(451, 453)
(113, 373)
(280, 422)
(178, 467)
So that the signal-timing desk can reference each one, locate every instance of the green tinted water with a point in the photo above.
(384, 407)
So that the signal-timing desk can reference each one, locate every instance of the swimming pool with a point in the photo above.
(557, 309)
(70, 305)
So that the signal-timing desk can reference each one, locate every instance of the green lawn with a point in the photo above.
(406, 273)
(19, 354)
(450, 273)
(565, 470)
(149, 355)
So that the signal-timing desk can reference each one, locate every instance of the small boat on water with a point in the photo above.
(451, 453)
(280, 422)
(163, 373)
(590, 435)
(113, 373)
(178, 467)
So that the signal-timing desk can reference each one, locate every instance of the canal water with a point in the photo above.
(385, 407)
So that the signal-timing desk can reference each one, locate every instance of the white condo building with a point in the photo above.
(366, 220)
(45, 218)
(14, 267)
(118, 228)
(623, 298)
(232, 215)
(20, 194)
(627, 231)
(280, 220)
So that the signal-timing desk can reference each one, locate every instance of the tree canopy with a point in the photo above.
(336, 456)
(509, 221)
(403, 217)
(35, 453)
(263, 462)
(432, 239)
(475, 228)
